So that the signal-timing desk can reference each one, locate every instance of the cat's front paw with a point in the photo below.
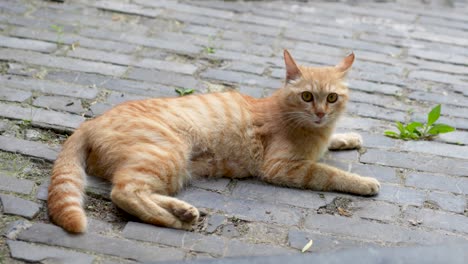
(369, 186)
(345, 141)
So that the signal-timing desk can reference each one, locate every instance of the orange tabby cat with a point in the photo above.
(149, 149)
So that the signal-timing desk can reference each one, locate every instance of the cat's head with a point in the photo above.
(315, 96)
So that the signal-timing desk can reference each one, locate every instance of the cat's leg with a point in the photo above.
(345, 141)
(142, 188)
(317, 176)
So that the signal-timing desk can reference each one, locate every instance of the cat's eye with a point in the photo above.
(331, 98)
(307, 96)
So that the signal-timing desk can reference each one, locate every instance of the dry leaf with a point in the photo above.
(343, 212)
(307, 246)
(75, 45)
(415, 222)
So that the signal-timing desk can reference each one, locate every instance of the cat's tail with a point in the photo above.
(66, 189)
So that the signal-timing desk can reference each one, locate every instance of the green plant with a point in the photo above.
(417, 130)
(209, 50)
(184, 91)
(59, 30)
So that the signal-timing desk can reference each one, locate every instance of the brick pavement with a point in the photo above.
(61, 63)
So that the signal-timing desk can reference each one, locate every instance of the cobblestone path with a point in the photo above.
(61, 63)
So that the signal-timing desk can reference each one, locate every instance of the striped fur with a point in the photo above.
(149, 149)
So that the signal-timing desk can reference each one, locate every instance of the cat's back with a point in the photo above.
(197, 117)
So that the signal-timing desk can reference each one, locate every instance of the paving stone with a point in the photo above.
(237, 56)
(378, 100)
(12, 230)
(178, 47)
(43, 190)
(8, 94)
(429, 36)
(364, 229)
(376, 210)
(236, 248)
(438, 182)
(214, 221)
(219, 185)
(123, 59)
(322, 243)
(12, 184)
(435, 76)
(372, 111)
(168, 78)
(237, 77)
(115, 98)
(248, 210)
(378, 77)
(99, 227)
(245, 67)
(127, 8)
(229, 231)
(255, 92)
(55, 236)
(401, 195)
(27, 44)
(383, 174)
(439, 98)
(437, 66)
(415, 161)
(275, 194)
(59, 103)
(374, 87)
(437, 219)
(3, 126)
(69, 39)
(45, 254)
(98, 109)
(378, 141)
(348, 43)
(172, 237)
(435, 148)
(49, 87)
(180, 7)
(17, 206)
(61, 62)
(360, 123)
(448, 201)
(40, 116)
(30, 148)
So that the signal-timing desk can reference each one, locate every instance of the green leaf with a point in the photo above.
(189, 91)
(391, 134)
(440, 128)
(400, 127)
(411, 127)
(183, 92)
(433, 115)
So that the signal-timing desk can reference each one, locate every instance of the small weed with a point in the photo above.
(184, 91)
(417, 130)
(59, 30)
(209, 50)
(25, 123)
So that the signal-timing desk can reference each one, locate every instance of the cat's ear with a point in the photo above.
(292, 71)
(345, 64)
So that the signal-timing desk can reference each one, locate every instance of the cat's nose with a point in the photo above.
(319, 114)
